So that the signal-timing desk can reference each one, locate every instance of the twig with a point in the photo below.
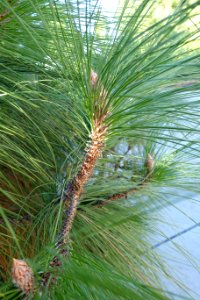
(76, 186)
(121, 195)
(149, 169)
(93, 152)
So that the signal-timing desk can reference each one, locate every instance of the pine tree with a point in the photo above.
(99, 119)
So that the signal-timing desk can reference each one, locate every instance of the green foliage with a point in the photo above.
(151, 78)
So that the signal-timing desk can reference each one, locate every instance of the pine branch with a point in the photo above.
(93, 152)
(149, 168)
(76, 186)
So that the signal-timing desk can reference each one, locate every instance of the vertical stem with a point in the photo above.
(93, 152)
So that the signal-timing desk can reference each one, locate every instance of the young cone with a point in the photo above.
(22, 276)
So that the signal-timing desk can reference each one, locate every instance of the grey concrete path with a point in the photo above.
(180, 222)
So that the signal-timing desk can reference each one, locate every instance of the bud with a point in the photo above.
(93, 78)
(22, 276)
(149, 163)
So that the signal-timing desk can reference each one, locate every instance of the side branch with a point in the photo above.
(149, 169)
(123, 194)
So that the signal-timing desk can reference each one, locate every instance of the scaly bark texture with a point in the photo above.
(93, 152)
(76, 186)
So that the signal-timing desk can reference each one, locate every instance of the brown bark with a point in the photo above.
(76, 186)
